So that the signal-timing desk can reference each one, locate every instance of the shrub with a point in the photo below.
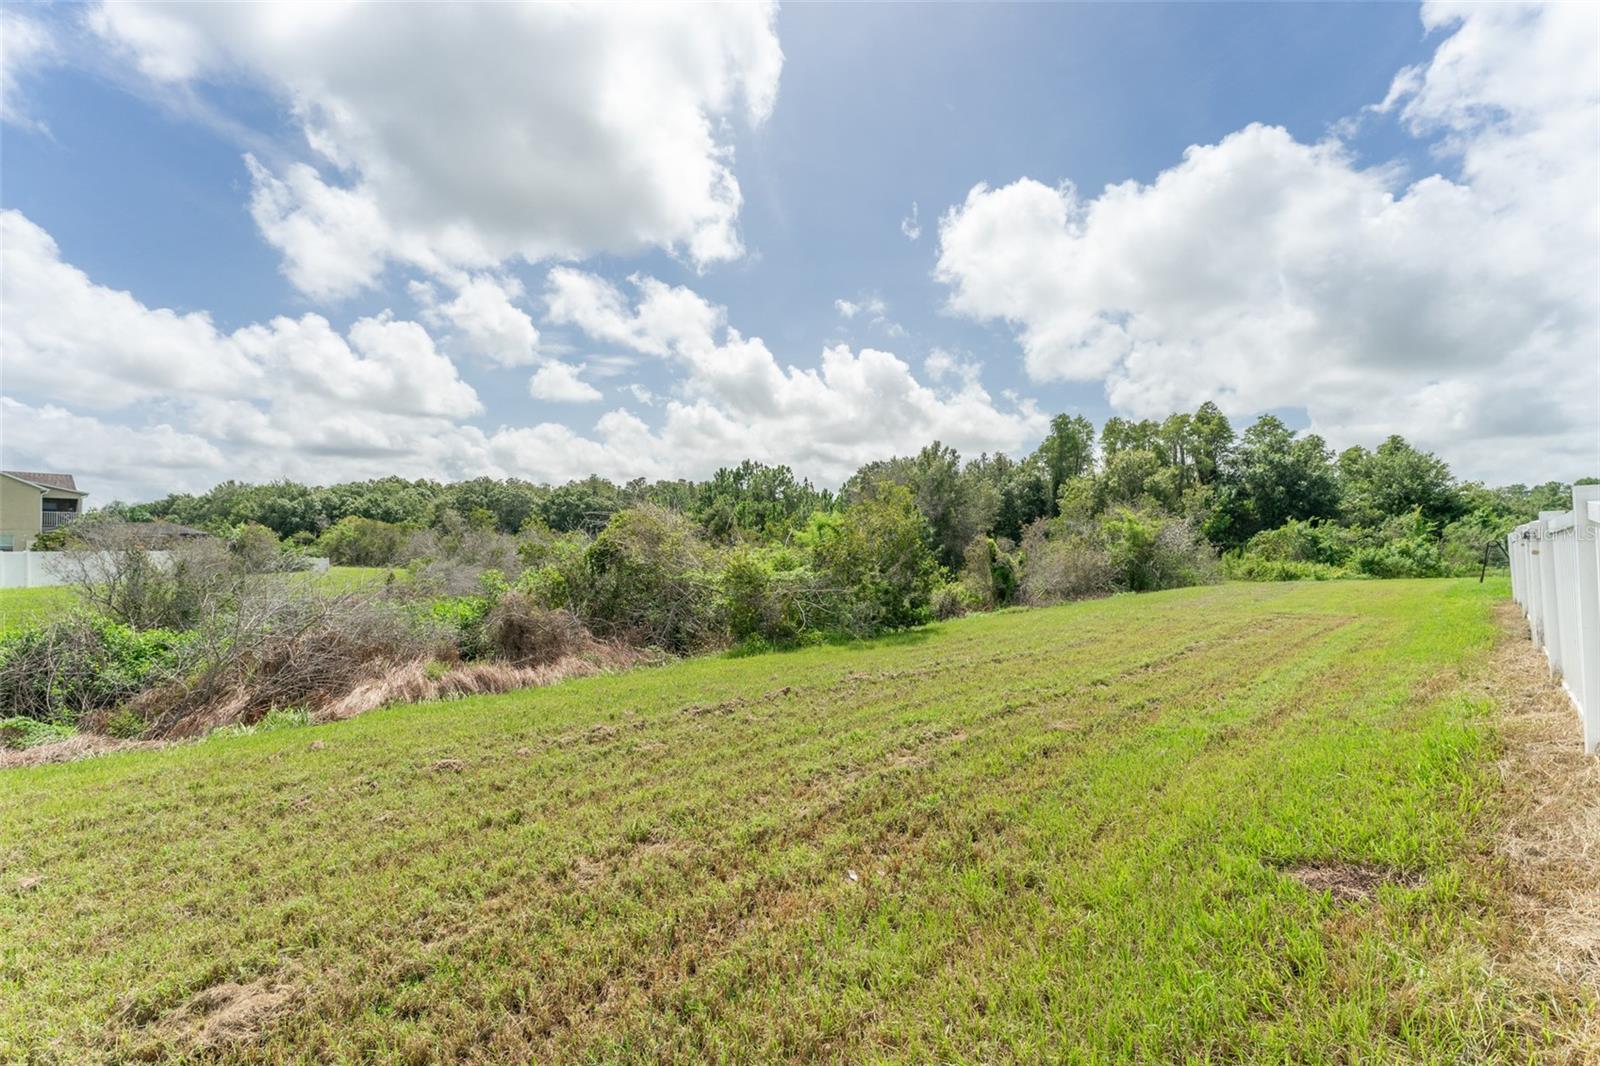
(518, 630)
(1408, 557)
(84, 663)
(30, 732)
(876, 553)
(257, 548)
(356, 541)
(952, 600)
(1404, 546)
(453, 557)
(648, 580)
(116, 575)
(770, 594)
(1302, 541)
(1060, 564)
(1150, 551)
(1247, 567)
(292, 649)
(460, 619)
(989, 575)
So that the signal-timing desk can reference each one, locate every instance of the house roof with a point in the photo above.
(61, 482)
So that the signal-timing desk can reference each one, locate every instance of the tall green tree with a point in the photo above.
(1395, 479)
(1066, 452)
(1210, 442)
(1275, 476)
(958, 503)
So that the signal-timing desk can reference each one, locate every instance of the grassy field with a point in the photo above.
(1244, 822)
(21, 608)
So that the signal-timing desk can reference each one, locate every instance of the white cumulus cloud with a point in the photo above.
(289, 395)
(484, 316)
(465, 135)
(559, 382)
(1263, 272)
(735, 399)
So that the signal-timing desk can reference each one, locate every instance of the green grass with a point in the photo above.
(350, 578)
(1068, 828)
(21, 608)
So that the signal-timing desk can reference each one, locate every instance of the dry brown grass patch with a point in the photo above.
(1550, 837)
(71, 749)
(228, 1013)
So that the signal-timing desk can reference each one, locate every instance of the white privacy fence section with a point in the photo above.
(27, 570)
(1555, 578)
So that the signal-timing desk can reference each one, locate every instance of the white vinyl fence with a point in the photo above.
(23, 570)
(1555, 578)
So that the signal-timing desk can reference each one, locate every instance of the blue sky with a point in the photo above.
(1301, 258)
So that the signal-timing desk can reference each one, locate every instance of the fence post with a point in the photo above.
(1516, 567)
(1549, 599)
(1586, 670)
(1535, 611)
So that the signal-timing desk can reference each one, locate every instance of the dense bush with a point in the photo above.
(876, 556)
(518, 630)
(1408, 557)
(651, 581)
(1307, 541)
(1061, 563)
(989, 575)
(84, 663)
(259, 550)
(1151, 551)
(771, 594)
(291, 647)
(1246, 567)
(357, 541)
(29, 732)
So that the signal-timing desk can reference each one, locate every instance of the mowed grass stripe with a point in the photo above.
(1067, 827)
(971, 843)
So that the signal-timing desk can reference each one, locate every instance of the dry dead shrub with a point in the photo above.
(414, 682)
(1059, 568)
(523, 633)
(291, 648)
(121, 573)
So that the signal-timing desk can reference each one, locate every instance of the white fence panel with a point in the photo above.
(25, 570)
(1555, 579)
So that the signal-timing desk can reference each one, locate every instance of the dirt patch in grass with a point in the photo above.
(1550, 837)
(1347, 882)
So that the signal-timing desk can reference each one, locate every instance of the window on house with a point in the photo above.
(8, 542)
(60, 505)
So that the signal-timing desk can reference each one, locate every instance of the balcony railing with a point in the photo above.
(56, 519)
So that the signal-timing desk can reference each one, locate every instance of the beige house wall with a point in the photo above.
(20, 512)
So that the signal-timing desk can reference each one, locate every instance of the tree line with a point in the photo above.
(1270, 501)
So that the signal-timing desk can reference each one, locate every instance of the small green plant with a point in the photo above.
(124, 724)
(30, 732)
(283, 718)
